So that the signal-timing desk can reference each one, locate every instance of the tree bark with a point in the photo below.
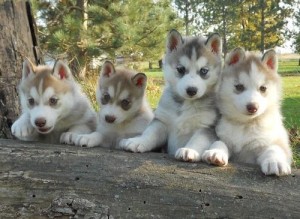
(17, 41)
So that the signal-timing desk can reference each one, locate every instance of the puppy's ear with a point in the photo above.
(214, 43)
(62, 71)
(107, 69)
(235, 56)
(139, 80)
(174, 40)
(270, 60)
(28, 69)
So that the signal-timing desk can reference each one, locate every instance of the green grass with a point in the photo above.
(289, 66)
(291, 113)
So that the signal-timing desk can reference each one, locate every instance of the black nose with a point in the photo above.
(191, 91)
(252, 108)
(40, 122)
(110, 119)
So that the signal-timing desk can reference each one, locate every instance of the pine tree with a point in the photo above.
(146, 29)
(79, 30)
(296, 33)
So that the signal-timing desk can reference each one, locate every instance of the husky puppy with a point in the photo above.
(251, 129)
(54, 109)
(124, 111)
(186, 112)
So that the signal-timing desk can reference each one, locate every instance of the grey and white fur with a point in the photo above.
(186, 113)
(251, 128)
(54, 110)
(124, 110)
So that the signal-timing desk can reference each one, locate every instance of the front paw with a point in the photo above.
(216, 157)
(187, 154)
(22, 130)
(135, 145)
(275, 167)
(88, 140)
(68, 138)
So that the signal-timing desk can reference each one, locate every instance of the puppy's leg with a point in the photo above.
(155, 135)
(70, 136)
(22, 128)
(89, 140)
(273, 160)
(217, 154)
(193, 150)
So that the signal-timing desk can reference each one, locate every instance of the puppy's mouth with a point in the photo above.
(44, 130)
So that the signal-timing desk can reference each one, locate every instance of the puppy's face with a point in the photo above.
(249, 85)
(192, 65)
(46, 94)
(120, 94)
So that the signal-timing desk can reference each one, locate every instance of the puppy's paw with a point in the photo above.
(68, 138)
(135, 145)
(88, 140)
(275, 166)
(216, 157)
(22, 130)
(187, 154)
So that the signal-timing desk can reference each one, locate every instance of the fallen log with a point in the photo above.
(46, 181)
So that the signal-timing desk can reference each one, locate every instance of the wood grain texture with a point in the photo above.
(17, 41)
(42, 181)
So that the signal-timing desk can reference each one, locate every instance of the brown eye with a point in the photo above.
(239, 87)
(53, 101)
(31, 101)
(105, 99)
(263, 89)
(125, 104)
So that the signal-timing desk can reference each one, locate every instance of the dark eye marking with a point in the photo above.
(31, 101)
(181, 70)
(125, 104)
(239, 87)
(105, 98)
(203, 72)
(263, 89)
(53, 101)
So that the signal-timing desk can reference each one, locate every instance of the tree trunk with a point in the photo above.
(17, 41)
(262, 26)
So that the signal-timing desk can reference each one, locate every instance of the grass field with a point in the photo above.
(289, 66)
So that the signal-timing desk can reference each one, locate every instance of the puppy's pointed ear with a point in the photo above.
(214, 43)
(28, 69)
(174, 40)
(270, 60)
(235, 56)
(62, 71)
(139, 80)
(107, 69)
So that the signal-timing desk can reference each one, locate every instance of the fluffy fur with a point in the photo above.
(251, 128)
(53, 107)
(186, 112)
(124, 111)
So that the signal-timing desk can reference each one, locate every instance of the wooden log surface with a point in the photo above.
(41, 181)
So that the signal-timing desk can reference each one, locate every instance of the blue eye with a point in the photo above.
(203, 72)
(181, 70)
